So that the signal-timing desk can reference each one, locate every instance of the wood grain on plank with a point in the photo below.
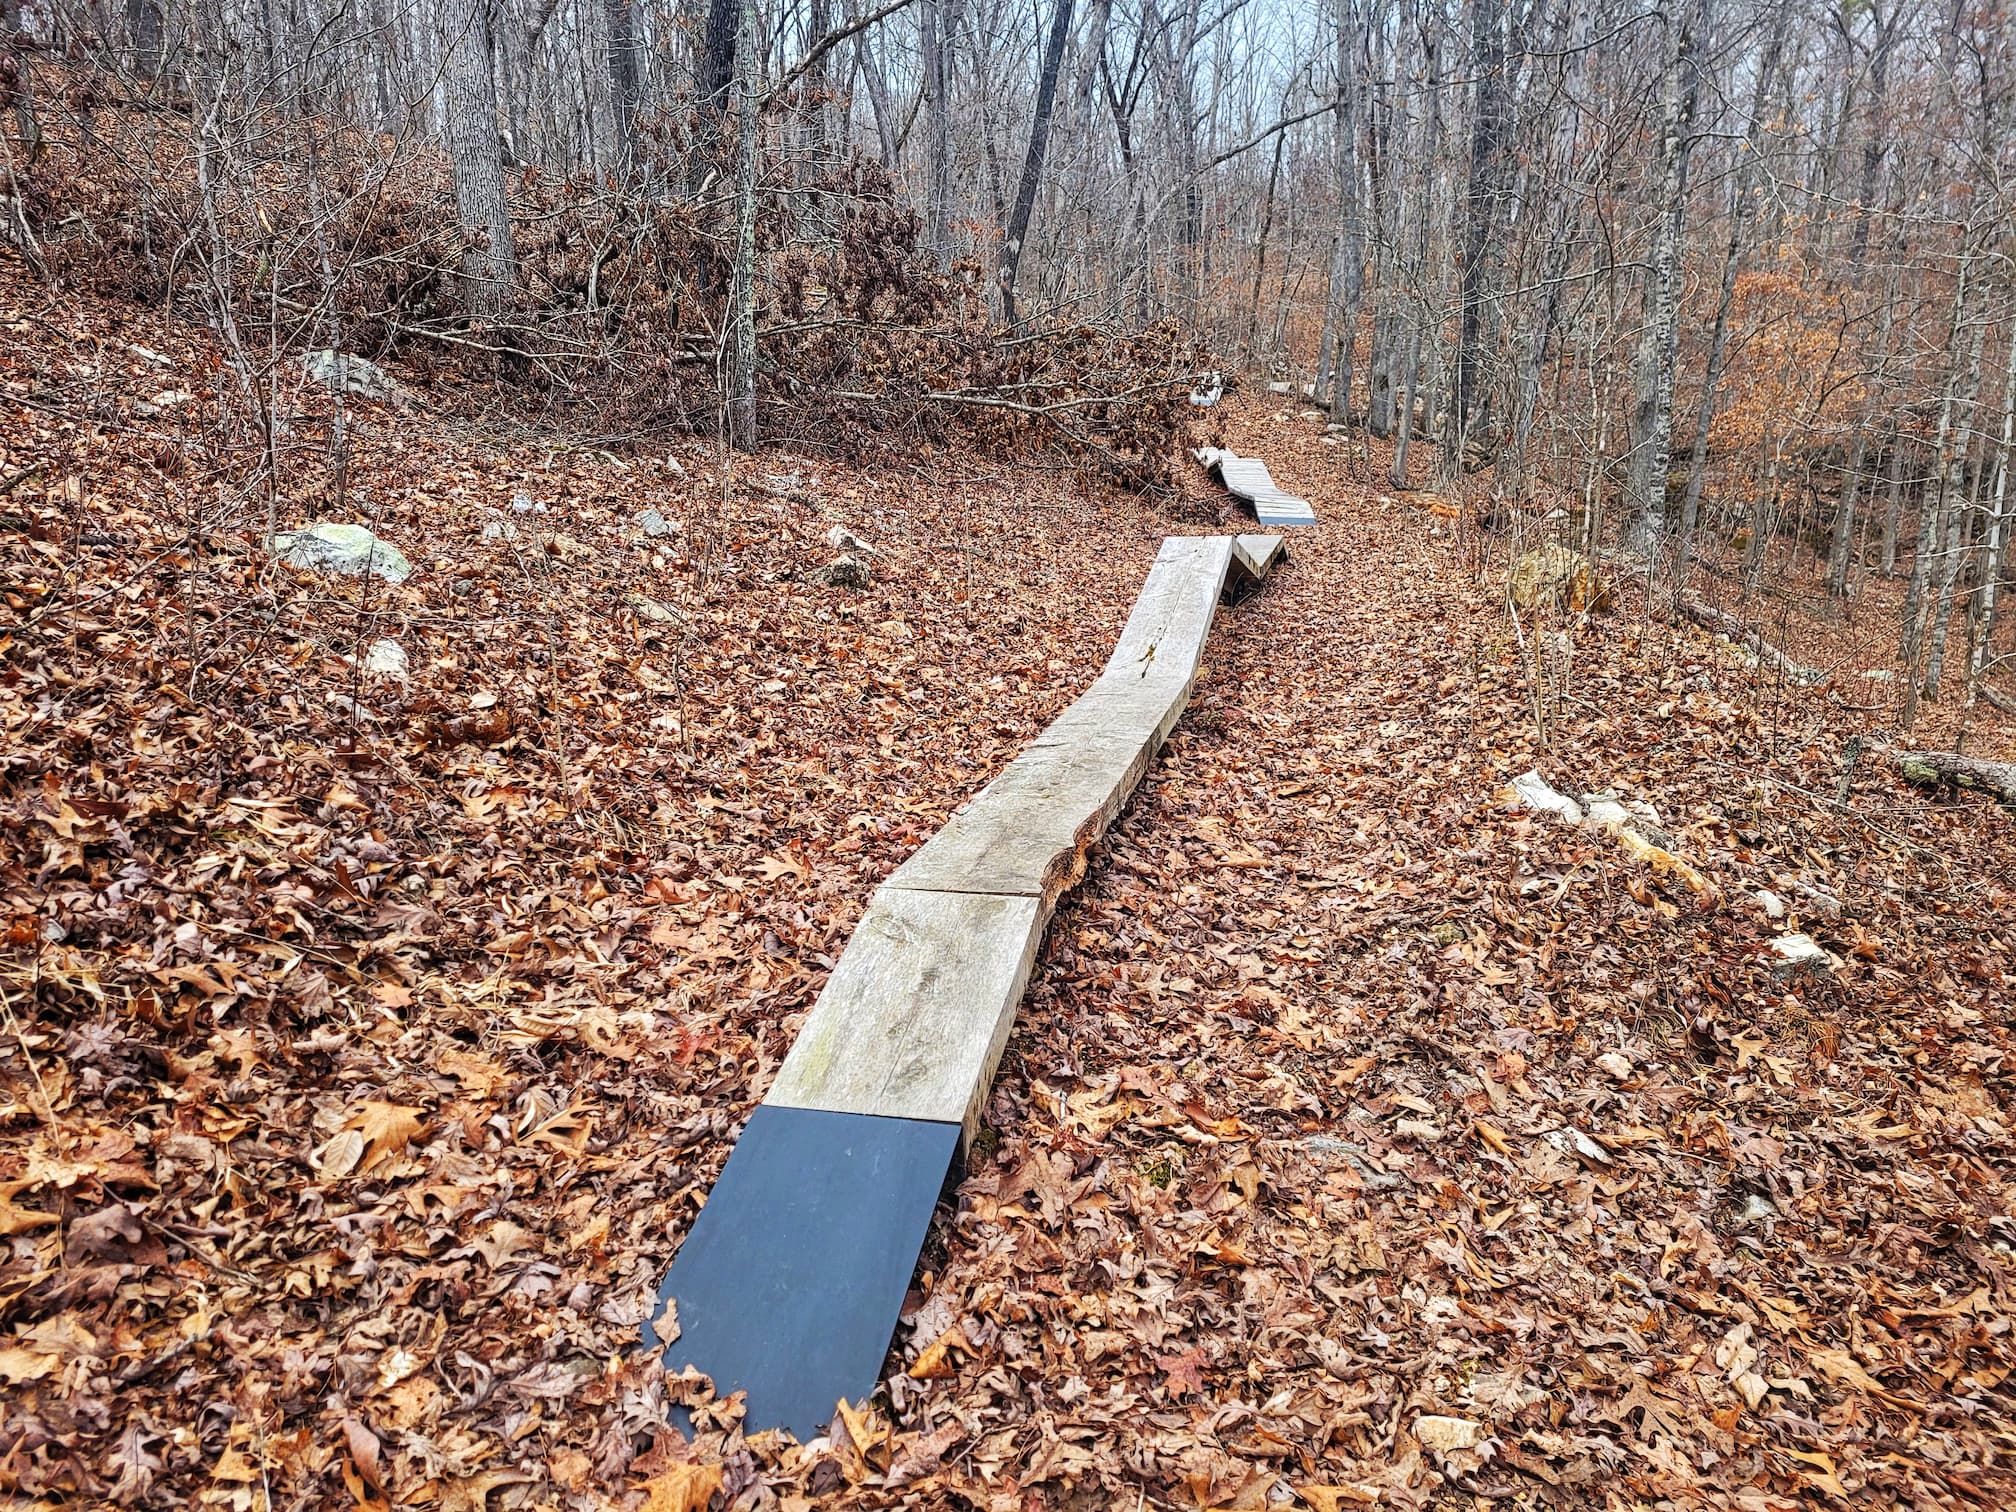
(914, 1017)
(1164, 636)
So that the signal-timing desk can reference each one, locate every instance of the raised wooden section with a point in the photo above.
(913, 1019)
(892, 1066)
(1248, 478)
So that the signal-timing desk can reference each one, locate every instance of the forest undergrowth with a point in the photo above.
(1367, 1139)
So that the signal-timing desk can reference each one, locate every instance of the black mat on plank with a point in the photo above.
(789, 1284)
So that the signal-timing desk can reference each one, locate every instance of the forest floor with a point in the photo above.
(1366, 1138)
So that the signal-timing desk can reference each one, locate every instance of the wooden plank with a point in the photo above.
(1249, 479)
(915, 1015)
(1028, 831)
(1164, 636)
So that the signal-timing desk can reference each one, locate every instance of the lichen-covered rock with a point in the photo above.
(350, 374)
(1552, 576)
(842, 572)
(348, 549)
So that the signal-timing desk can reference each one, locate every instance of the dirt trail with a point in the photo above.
(1364, 1133)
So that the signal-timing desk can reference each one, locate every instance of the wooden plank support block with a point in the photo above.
(789, 1284)
(914, 1017)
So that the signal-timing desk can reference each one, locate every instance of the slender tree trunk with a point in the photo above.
(1740, 213)
(1652, 411)
(937, 132)
(741, 317)
(1893, 505)
(1032, 160)
(469, 90)
(625, 82)
(879, 103)
(1349, 291)
(1988, 598)
(1481, 211)
(1935, 507)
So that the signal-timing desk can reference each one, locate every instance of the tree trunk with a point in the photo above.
(1987, 599)
(741, 316)
(1349, 291)
(1935, 506)
(469, 115)
(625, 81)
(1652, 409)
(1740, 213)
(714, 69)
(1481, 212)
(1032, 160)
(937, 133)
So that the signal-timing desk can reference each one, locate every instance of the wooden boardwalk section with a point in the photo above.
(894, 1061)
(1248, 478)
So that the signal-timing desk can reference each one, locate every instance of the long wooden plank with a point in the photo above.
(1249, 479)
(914, 1017)
(891, 1068)
(1164, 636)
(1028, 831)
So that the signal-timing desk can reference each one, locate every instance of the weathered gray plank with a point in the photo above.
(1028, 831)
(1249, 479)
(1164, 636)
(915, 1015)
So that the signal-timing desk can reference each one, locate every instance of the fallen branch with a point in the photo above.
(1945, 769)
(1711, 618)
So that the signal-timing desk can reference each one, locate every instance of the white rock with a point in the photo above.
(651, 609)
(1771, 903)
(1605, 812)
(348, 549)
(386, 658)
(351, 374)
(1798, 952)
(524, 504)
(500, 529)
(840, 538)
(1447, 1434)
(148, 354)
(1533, 791)
(654, 524)
(1618, 1066)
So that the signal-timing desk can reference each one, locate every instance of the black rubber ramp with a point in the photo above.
(789, 1285)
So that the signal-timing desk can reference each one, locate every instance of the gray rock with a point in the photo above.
(1771, 903)
(654, 524)
(386, 658)
(351, 374)
(500, 529)
(348, 549)
(525, 504)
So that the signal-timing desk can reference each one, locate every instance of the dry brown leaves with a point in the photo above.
(1366, 1142)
